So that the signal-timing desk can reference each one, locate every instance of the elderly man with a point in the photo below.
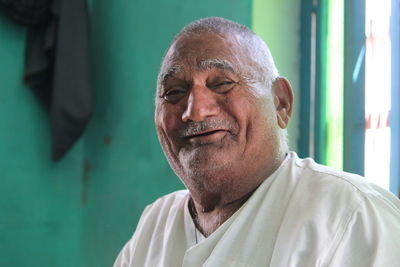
(221, 114)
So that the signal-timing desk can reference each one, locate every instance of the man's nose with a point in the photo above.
(201, 103)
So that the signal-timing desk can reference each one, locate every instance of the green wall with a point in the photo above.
(40, 206)
(278, 23)
(80, 211)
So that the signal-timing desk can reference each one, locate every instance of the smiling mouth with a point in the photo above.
(203, 134)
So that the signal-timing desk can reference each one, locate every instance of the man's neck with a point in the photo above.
(207, 218)
(211, 206)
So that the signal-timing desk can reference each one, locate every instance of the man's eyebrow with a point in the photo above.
(202, 65)
(215, 63)
(171, 72)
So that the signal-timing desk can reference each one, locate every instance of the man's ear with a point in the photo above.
(283, 100)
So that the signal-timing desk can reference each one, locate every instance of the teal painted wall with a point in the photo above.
(80, 211)
(40, 207)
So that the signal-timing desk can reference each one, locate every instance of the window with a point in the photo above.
(350, 88)
(377, 92)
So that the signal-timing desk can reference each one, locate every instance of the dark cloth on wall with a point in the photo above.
(57, 64)
(27, 12)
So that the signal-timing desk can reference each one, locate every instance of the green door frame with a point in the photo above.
(312, 139)
(313, 130)
(354, 87)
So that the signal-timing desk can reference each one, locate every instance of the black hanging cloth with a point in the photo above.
(57, 63)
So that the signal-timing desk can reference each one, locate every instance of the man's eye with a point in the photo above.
(222, 87)
(174, 95)
(225, 83)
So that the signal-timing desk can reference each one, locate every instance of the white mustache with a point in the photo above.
(194, 128)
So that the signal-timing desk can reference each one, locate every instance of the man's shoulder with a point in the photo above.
(159, 220)
(174, 201)
(326, 178)
(341, 217)
(177, 196)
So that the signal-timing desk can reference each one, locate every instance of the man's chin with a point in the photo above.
(204, 159)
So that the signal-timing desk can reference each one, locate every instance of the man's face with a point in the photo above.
(212, 123)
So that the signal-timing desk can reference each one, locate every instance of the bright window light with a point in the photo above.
(377, 91)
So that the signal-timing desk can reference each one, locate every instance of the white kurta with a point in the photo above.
(304, 214)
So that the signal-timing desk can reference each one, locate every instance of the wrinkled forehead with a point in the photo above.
(202, 51)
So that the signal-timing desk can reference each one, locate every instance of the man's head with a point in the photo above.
(221, 109)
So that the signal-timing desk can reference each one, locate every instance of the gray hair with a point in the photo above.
(263, 68)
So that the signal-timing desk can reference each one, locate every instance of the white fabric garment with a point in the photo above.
(304, 214)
